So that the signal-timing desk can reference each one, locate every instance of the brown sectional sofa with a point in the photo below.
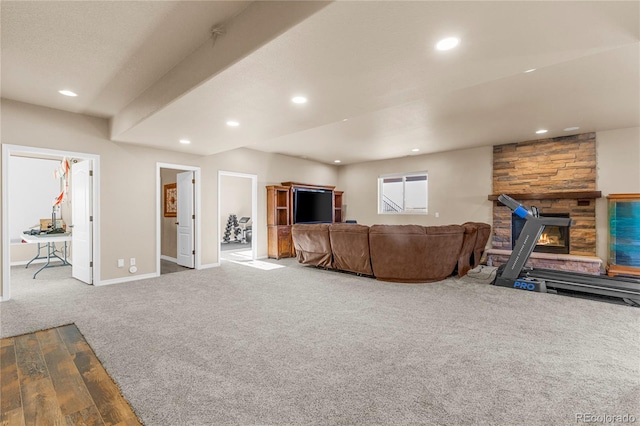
(398, 253)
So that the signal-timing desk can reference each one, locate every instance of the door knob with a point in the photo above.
(177, 223)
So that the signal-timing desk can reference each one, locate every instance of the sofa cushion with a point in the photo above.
(312, 245)
(397, 252)
(350, 247)
(413, 253)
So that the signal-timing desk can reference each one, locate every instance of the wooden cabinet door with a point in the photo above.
(284, 241)
(279, 242)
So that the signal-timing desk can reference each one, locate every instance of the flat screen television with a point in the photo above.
(312, 206)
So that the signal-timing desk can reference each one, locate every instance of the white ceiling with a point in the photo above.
(153, 68)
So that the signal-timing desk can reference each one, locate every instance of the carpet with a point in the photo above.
(300, 345)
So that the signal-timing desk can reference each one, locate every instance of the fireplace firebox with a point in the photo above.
(554, 239)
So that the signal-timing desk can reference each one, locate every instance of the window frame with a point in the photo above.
(404, 177)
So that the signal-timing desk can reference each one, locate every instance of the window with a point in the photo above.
(403, 193)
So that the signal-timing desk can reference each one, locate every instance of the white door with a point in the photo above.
(81, 221)
(186, 219)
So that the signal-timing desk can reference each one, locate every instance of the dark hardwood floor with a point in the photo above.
(52, 377)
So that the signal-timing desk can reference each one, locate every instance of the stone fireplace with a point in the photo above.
(558, 176)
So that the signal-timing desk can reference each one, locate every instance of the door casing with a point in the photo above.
(9, 150)
(197, 205)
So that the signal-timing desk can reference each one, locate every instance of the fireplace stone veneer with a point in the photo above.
(556, 175)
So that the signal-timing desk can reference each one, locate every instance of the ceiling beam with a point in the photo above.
(258, 24)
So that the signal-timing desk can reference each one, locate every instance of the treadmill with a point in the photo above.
(514, 274)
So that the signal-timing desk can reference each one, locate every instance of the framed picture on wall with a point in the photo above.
(170, 200)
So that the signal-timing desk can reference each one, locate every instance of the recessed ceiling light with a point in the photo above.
(345, 119)
(541, 131)
(337, 161)
(299, 100)
(185, 141)
(531, 70)
(67, 93)
(232, 123)
(570, 129)
(415, 149)
(448, 43)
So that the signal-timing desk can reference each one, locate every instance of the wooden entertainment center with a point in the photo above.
(280, 215)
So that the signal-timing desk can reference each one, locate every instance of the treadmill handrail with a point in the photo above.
(515, 206)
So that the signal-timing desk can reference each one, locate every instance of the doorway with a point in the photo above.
(237, 216)
(14, 159)
(178, 218)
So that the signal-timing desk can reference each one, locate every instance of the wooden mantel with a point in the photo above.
(577, 195)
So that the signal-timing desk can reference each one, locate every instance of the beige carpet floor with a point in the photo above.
(304, 346)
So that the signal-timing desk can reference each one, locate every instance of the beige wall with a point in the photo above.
(127, 203)
(459, 183)
(618, 153)
(235, 198)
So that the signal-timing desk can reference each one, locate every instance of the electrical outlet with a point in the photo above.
(132, 261)
(120, 263)
(437, 214)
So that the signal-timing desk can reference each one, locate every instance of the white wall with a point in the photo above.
(32, 190)
(459, 183)
(235, 198)
(618, 159)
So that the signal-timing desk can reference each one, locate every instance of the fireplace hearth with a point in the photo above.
(554, 239)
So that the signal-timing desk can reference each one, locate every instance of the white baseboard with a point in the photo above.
(209, 265)
(170, 259)
(127, 279)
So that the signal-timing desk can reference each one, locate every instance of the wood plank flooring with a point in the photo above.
(52, 377)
